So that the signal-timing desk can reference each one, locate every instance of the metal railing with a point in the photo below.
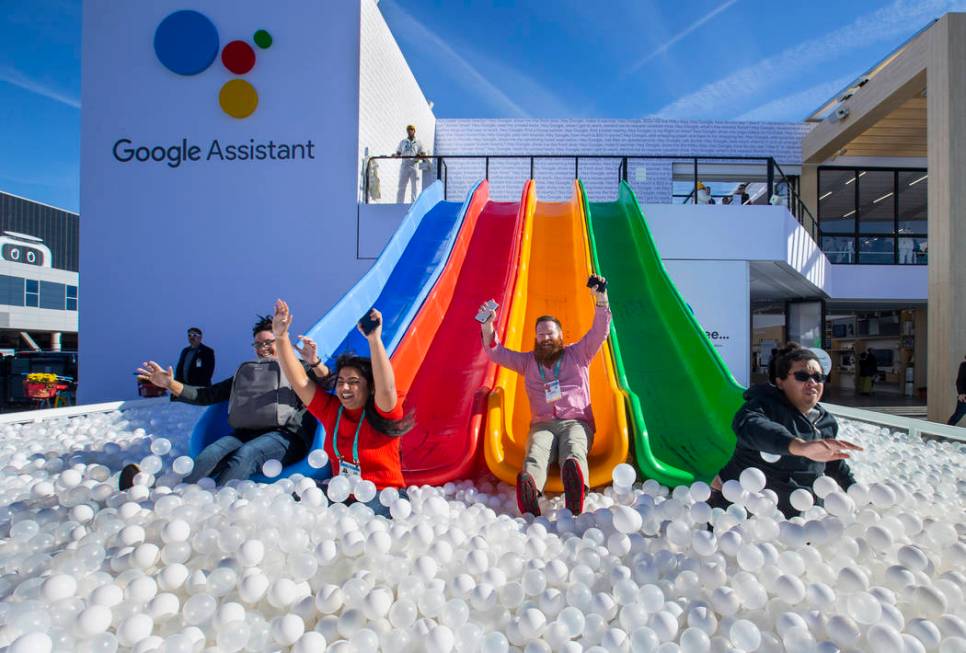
(914, 427)
(774, 175)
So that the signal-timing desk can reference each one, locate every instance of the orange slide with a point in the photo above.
(552, 280)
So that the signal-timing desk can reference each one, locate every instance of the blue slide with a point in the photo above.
(396, 284)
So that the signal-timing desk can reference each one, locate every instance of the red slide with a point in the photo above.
(440, 365)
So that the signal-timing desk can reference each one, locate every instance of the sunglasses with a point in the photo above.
(264, 344)
(818, 377)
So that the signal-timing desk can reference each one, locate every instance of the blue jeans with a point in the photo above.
(228, 458)
(959, 414)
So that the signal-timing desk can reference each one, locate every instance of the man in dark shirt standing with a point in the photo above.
(960, 395)
(196, 365)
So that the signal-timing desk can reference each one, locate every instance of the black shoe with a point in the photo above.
(126, 480)
(527, 495)
(574, 489)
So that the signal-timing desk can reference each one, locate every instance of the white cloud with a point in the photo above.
(795, 105)
(408, 28)
(16, 78)
(729, 93)
(664, 47)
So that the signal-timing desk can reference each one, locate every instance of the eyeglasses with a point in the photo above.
(194, 335)
(264, 344)
(818, 377)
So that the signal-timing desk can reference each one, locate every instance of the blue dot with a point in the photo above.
(186, 42)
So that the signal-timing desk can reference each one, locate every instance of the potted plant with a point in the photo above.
(40, 385)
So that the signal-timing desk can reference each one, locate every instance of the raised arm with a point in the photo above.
(382, 372)
(588, 346)
(514, 360)
(303, 386)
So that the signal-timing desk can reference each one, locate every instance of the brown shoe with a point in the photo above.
(573, 482)
(126, 480)
(527, 495)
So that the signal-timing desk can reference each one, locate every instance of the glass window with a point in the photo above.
(913, 250)
(839, 249)
(876, 201)
(70, 301)
(836, 201)
(913, 192)
(31, 295)
(877, 249)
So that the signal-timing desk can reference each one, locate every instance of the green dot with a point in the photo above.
(263, 39)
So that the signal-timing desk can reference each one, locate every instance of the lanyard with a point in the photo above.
(556, 369)
(355, 441)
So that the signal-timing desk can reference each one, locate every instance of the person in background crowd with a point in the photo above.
(196, 364)
(786, 420)
(703, 194)
(557, 380)
(408, 174)
(960, 411)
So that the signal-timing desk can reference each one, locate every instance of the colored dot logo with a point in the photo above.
(186, 43)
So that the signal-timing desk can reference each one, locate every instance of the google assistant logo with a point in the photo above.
(186, 43)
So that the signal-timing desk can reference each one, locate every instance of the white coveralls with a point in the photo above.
(408, 172)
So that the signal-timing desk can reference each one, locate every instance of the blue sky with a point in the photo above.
(703, 59)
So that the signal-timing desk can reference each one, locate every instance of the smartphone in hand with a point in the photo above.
(368, 324)
(488, 308)
(593, 282)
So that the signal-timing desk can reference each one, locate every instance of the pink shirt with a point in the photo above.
(574, 374)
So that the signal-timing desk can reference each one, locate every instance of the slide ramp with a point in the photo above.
(440, 364)
(551, 279)
(680, 395)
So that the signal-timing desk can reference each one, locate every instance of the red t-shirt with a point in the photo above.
(378, 453)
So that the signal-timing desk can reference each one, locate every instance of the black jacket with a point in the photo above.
(301, 425)
(869, 366)
(201, 369)
(961, 379)
(768, 422)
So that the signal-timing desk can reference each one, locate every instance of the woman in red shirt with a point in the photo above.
(364, 419)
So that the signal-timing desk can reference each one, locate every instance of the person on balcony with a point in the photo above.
(408, 171)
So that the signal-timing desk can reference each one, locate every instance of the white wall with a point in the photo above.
(389, 99)
(880, 282)
(211, 243)
(720, 296)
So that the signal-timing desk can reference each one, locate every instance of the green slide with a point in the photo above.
(680, 395)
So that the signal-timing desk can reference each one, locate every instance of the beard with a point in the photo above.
(548, 352)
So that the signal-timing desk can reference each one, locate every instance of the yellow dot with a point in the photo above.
(238, 98)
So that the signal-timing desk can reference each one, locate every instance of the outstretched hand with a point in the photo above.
(823, 451)
(155, 374)
(282, 319)
(307, 349)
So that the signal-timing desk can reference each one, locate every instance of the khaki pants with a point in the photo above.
(555, 442)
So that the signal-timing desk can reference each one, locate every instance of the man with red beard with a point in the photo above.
(557, 380)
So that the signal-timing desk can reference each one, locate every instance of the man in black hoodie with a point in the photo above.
(960, 395)
(786, 420)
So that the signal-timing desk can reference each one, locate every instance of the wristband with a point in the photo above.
(317, 363)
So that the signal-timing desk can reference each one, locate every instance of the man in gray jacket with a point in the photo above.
(268, 420)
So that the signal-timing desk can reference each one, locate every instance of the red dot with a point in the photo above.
(238, 57)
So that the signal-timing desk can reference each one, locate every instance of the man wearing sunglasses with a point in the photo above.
(786, 420)
(268, 420)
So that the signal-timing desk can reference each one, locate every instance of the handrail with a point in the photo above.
(797, 206)
(28, 416)
(915, 427)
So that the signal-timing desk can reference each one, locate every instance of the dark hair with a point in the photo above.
(790, 356)
(775, 355)
(194, 330)
(377, 421)
(264, 323)
(548, 318)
